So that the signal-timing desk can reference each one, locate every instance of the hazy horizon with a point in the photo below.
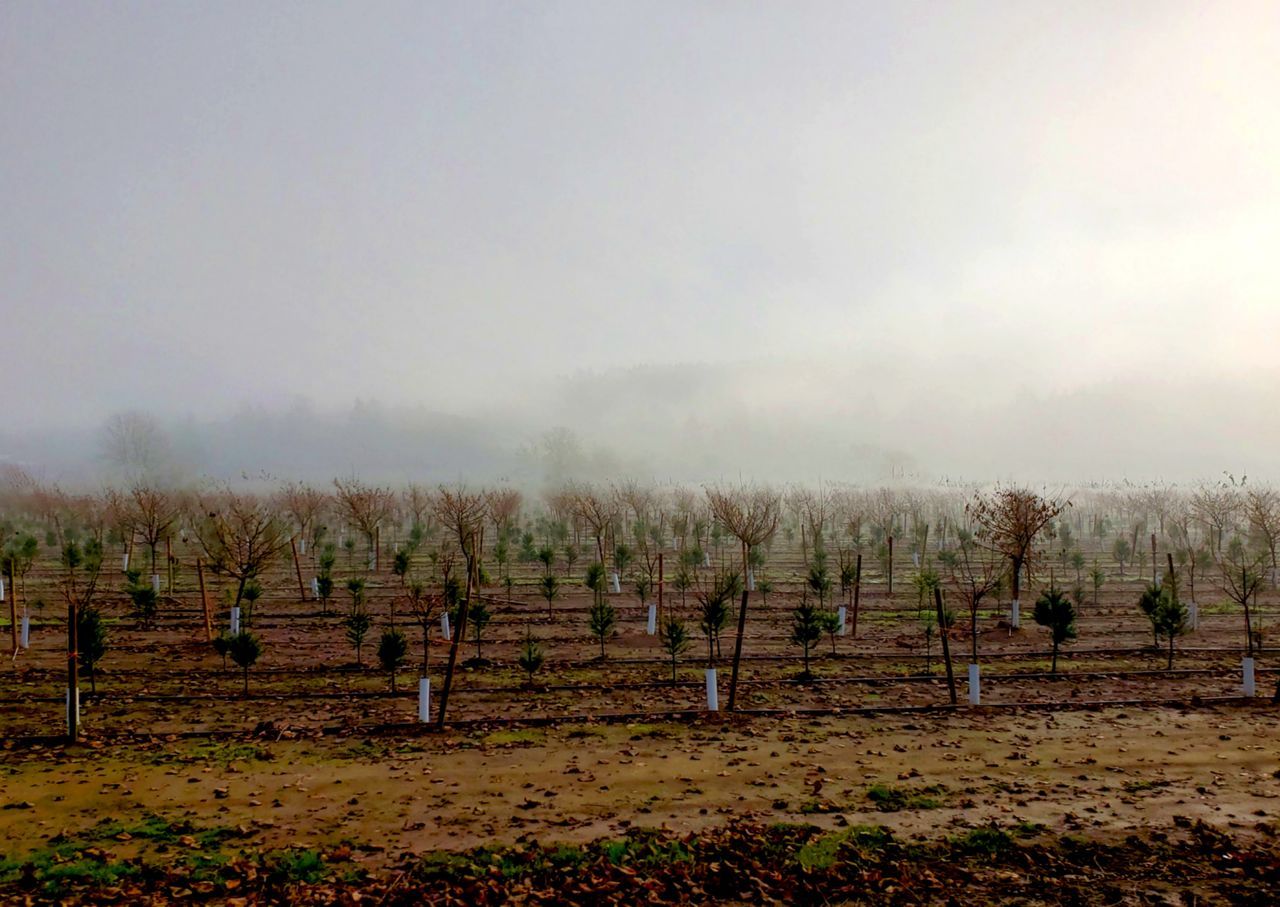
(989, 240)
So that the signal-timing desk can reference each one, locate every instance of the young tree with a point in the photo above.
(1216, 507)
(1242, 578)
(1009, 520)
(324, 581)
(366, 507)
(674, 637)
(1148, 604)
(144, 599)
(241, 536)
(819, 578)
(549, 588)
(683, 582)
(1056, 612)
(426, 611)
(1121, 551)
(222, 645)
(400, 564)
(751, 516)
(929, 628)
(1262, 505)
(829, 621)
(975, 574)
(91, 642)
(245, 650)
(463, 513)
(714, 606)
(16, 559)
(418, 501)
(530, 657)
(306, 506)
(357, 622)
(1097, 576)
(623, 557)
(479, 618)
(147, 510)
(503, 506)
(1077, 563)
(597, 511)
(252, 592)
(601, 621)
(83, 566)
(643, 586)
(1170, 619)
(806, 630)
(392, 650)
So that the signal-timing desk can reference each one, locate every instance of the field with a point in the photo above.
(854, 779)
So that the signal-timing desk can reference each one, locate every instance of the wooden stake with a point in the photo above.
(73, 678)
(857, 593)
(890, 566)
(946, 643)
(661, 586)
(13, 607)
(1153, 559)
(204, 601)
(297, 566)
(457, 632)
(737, 650)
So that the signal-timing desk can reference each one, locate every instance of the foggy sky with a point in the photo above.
(998, 238)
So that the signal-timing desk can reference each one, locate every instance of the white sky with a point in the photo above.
(207, 205)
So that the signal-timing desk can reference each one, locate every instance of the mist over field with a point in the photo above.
(696, 242)
(701, 423)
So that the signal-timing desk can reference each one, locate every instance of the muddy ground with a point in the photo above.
(367, 807)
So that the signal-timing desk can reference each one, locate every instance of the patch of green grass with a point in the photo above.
(95, 873)
(566, 856)
(815, 805)
(984, 842)
(645, 848)
(583, 733)
(856, 839)
(448, 865)
(889, 799)
(519, 737)
(1137, 787)
(297, 866)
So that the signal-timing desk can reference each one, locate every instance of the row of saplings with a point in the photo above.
(1054, 609)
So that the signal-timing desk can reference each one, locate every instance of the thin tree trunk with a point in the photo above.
(737, 651)
(73, 668)
(857, 593)
(13, 613)
(1248, 622)
(946, 645)
(463, 607)
(297, 566)
(891, 566)
(204, 602)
